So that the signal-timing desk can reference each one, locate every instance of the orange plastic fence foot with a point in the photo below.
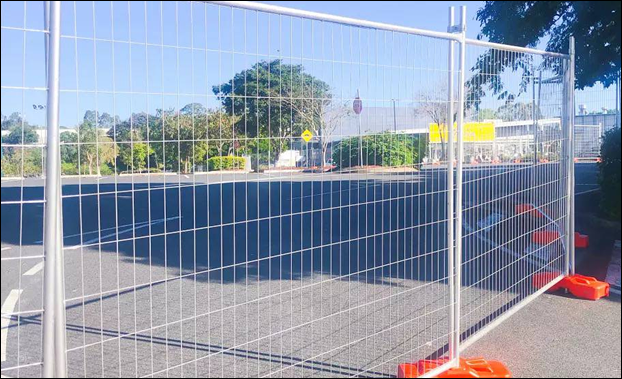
(468, 368)
(585, 287)
(580, 286)
(581, 241)
(544, 237)
(527, 209)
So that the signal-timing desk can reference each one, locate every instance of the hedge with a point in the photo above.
(225, 163)
(386, 149)
(609, 176)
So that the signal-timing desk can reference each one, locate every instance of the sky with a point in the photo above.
(129, 57)
(430, 15)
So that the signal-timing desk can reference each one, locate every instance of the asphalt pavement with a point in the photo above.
(270, 275)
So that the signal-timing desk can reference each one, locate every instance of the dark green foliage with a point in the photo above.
(225, 163)
(594, 24)
(609, 177)
(387, 149)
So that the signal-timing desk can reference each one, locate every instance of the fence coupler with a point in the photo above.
(467, 368)
(580, 286)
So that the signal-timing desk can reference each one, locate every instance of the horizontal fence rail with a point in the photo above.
(252, 190)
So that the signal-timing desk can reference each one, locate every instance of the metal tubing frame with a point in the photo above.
(459, 189)
(516, 49)
(450, 192)
(54, 341)
(54, 345)
(570, 248)
(332, 18)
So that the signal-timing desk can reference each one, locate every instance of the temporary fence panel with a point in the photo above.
(278, 271)
(515, 207)
(587, 141)
(597, 110)
(24, 94)
(251, 190)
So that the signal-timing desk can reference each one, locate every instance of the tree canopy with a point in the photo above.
(594, 24)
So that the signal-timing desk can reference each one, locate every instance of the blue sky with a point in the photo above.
(430, 15)
(140, 58)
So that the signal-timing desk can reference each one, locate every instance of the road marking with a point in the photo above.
(7, 307)
(147, 224)
(34, 270)
(6, 248)
(588, 191)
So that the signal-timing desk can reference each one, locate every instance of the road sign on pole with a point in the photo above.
(307, 135)
(357, 105)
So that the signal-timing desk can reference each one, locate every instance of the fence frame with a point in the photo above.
(54, 335)
(54, 341)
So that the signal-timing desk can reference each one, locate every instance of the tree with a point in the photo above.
(517, 111)
(594, 24)
(609, 175)
(434, 106)
(12, 121)
(135, 156)
(21, 136)
(385, 149)
(276, 101)
(95, 147)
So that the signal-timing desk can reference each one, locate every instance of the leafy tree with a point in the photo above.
(433, 106)
(134, 156)
(517, 111)
(22, 162)
(14, 120)
(276, 100)
(18, 136)
(487, 114)
(95, 148)
(610, 168)
(386, 149)
(594, 24)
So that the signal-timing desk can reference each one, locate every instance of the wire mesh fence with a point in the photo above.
(24, 93)
(184, 262)
(516, 186)
(250, 190)
(597, 110)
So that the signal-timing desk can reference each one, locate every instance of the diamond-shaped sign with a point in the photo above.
(307, 135)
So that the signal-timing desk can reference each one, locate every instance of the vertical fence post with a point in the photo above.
(571, 180)
(449, 124)
(52, 365)
(459, 189)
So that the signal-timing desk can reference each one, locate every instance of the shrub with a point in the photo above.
(68, 168)
(609, 176)
(106, 170)
(386, 149)
(225, 163)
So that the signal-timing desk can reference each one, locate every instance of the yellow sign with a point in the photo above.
(307, 135)
(473, 132)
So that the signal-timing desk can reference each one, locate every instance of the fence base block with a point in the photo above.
(580, 286)
(528, 209)
(581, 241)
(468, 368)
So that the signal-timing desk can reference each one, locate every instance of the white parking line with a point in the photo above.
(6, 248)
(34, 270)
(7, 308)
(129, 229)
